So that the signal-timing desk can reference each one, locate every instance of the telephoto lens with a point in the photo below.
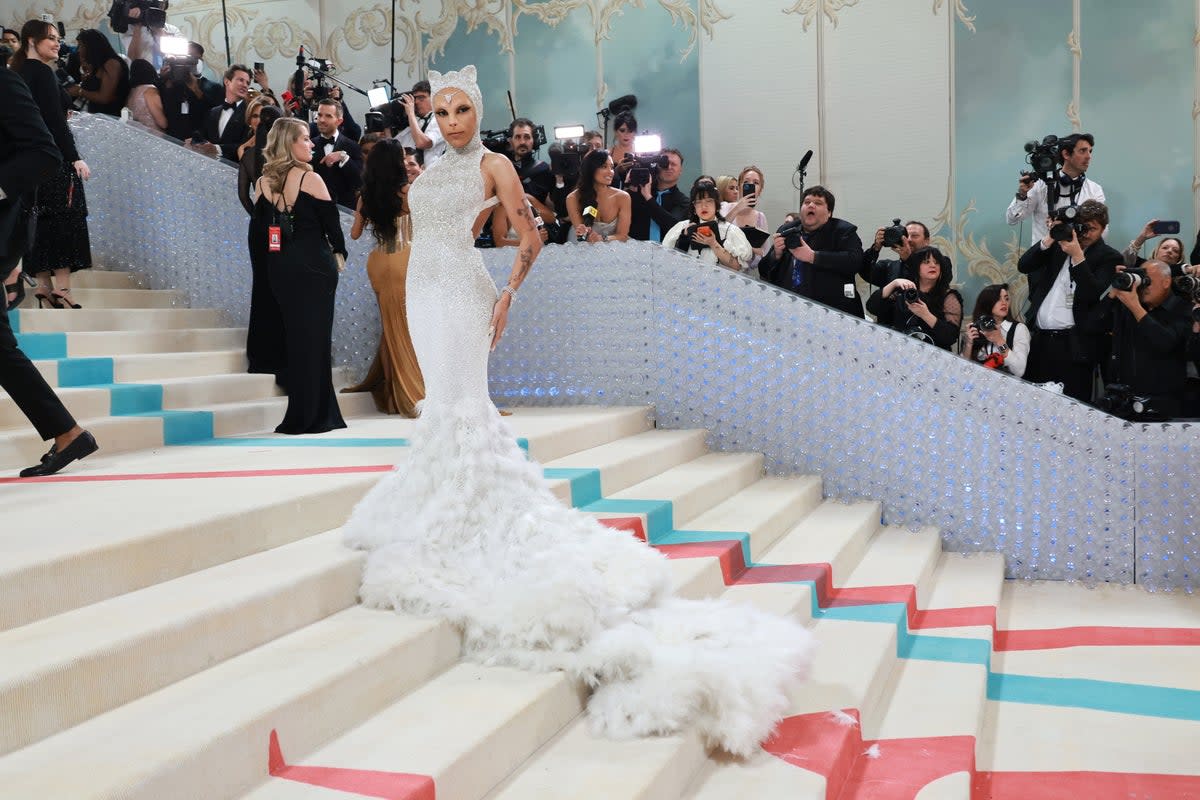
(910, 295)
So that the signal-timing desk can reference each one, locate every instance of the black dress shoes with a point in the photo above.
(83, 446)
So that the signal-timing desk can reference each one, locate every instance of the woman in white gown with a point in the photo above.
(467, 529)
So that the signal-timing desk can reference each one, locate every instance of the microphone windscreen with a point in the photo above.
(804, 161)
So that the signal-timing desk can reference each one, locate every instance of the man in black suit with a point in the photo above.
(225, 128)
(30, 157)
(829, 255)
(658, 206)
(1066, 281)
(336, 157)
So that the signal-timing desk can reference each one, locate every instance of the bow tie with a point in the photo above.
(322, 141)
(229, 105)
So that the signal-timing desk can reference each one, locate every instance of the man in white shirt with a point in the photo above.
(422, 132)
(1070, 186)
(1066, 281)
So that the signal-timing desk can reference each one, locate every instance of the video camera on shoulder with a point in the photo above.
(1120, 401)
(648, 159)
(1042, 157)
(177, 57)
(1063, 222)
(386, 112)
(151, 13)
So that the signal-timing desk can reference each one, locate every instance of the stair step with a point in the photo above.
(698, 485)
(104, 279)
(961, 692)
(965, 581)
(117, 319)
(899, 557)
(207, 735)
(63, 670)
(118, 297)
(90, 344)
(554, 433)
(834, 533)
(109, 540)
(467, 729)
(141, 367)
(634, 459)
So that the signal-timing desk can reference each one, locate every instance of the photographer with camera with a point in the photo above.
(1150, 326)
(921, 303)
(536, 181)
(995, 337)
(708, 235)
(187, 96)
(418, 128)
(1069, 270)
(817, 257)
(903, 240)
(658, 205)
(594, 199)
(1058, 179)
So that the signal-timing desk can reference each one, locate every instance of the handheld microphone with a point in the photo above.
(804, 161)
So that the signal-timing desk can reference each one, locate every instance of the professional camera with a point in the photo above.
(1187, 287)
(1120, 401)
(1062, 223)
(1042, 157)
(1129, 279)
(177, 57)
(894, 234)
(985, 323)
(793, 235)
(648, 159)
(910, 295)
(151, 13)
(566, 154)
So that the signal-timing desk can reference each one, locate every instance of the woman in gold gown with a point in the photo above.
(394, 377)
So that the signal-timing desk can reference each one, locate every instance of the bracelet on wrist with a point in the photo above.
(510, 291)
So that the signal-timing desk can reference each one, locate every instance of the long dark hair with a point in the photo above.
(142, 73)
(912, 271)
(701, 190)
(381, 199)
(266, 118)
(35, 29)
(97, 49)
(586, 185)
(984, 303)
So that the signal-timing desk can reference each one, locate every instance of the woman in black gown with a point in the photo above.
(264, 333)
(60, 242)
(304, 233)
(105, 85)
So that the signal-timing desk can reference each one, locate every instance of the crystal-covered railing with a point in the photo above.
(1064, 491)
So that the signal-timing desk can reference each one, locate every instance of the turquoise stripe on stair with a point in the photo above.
(182, 427)
(133, 398)
(84, 371)
(42, 346)
(14, 321)
(585, 483)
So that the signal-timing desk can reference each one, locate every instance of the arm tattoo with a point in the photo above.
(524, 263)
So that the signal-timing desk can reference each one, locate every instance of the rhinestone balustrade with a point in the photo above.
(998, 464)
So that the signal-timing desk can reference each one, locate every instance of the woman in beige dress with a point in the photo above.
(394, 378)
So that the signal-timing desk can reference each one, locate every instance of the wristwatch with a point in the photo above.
(1002, 349)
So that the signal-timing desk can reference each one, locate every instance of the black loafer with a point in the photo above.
(82, 447)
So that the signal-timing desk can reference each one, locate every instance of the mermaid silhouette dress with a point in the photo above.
(467, 529)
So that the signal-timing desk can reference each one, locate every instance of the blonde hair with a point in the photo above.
(278, 153)
(742, 176)
(255, 103)
(724, 182)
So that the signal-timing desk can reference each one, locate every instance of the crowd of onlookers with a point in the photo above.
(1130, 349)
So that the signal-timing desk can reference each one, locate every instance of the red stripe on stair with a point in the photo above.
(368, 783)
(1096, 637)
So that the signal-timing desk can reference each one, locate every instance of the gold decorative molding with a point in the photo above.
(981, 263)
(492, 14)
(960, 11)
(681, 12)
(1076, 50)
(812, 10)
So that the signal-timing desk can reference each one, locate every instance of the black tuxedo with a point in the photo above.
(1069, 355)
(674, 209)
(29, 158)
(838, 258)
(235, 134)
(344, 181)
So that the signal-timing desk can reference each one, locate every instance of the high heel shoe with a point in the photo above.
(64, 299)
(48, 299)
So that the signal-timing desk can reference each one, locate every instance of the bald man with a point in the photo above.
(1150, 327)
